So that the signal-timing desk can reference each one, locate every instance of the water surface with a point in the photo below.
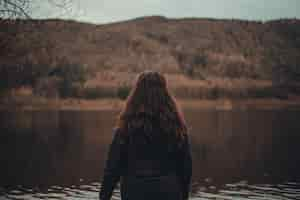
(236, 154)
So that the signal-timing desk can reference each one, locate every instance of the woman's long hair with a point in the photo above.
(150, 97)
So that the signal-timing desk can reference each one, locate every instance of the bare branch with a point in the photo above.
(18, 8)
(23, 8)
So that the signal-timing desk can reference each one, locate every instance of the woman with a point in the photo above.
(150, 150)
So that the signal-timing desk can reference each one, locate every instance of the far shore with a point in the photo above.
(116, 104)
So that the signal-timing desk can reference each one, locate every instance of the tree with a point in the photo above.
(13, 13)
(14, 9)
(72, 75)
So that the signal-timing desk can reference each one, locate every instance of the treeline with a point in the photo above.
(61, 81)
(65, 80)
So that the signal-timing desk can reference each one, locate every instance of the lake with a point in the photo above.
(242, 154)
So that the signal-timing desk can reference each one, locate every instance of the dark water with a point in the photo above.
(236, 154)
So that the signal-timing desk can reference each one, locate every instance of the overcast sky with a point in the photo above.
(106, 11)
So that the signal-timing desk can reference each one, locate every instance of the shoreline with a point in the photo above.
(115, 104)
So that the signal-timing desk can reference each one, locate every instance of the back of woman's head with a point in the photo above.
(151, 99)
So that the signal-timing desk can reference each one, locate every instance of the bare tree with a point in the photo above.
(13, 9)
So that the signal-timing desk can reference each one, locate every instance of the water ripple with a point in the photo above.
(232, 191)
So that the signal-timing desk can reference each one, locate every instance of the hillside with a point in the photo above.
(193, 51)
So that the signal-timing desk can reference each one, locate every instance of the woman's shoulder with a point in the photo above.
(119, 135)
(115, 130)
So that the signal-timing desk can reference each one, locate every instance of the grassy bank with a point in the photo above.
(40, 103)
(100, 93)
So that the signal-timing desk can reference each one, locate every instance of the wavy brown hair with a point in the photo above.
(150, 97)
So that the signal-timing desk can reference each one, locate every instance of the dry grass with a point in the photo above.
(102, 92)
(186, 104)
(185, 87)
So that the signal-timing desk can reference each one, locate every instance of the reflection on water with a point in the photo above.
(239, 190)
(236, 154)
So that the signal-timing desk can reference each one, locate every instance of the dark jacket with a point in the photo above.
(149, 165)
